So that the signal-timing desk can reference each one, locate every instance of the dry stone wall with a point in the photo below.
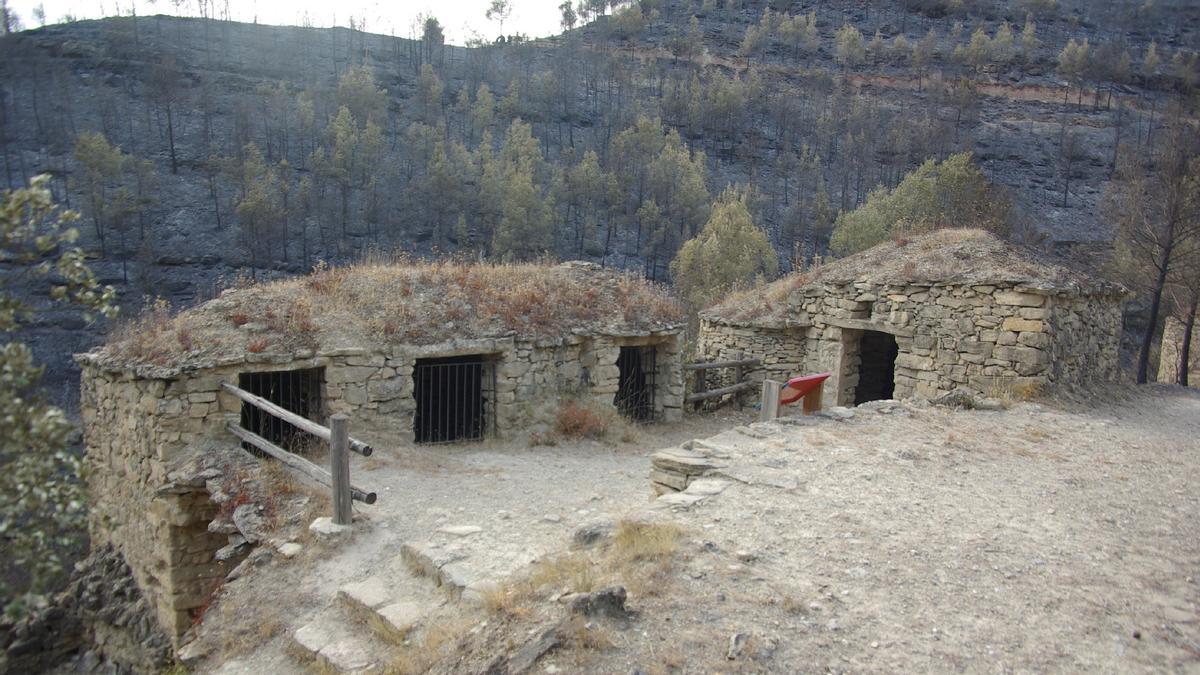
(140, 422)
(981, 337)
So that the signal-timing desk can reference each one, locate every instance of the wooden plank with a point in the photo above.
(770, 400)
(717, 393)
(721, 364)
(295, 463)
(292, 418)
(812, 400)
(339, 468)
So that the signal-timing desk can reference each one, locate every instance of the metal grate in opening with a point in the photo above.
(298, 391)
(637, 368)
(455, 398)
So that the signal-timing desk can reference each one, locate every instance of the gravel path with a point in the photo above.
(922, 539)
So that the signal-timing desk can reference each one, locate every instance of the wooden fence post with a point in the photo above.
(737, 377)
(770, 401)
(339, 467)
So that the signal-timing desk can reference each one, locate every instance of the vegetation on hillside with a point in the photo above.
(951, 193)
(730, 252)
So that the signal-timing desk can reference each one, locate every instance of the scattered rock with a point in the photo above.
(290, 549)
(989, 404)
(608, 602)
(589, 534)
(326, 530)
(259, 556)
(524, 658)
(460, 530)
(231, 550)
(737, 646)
(551, 518)
(837, 412)
(251, 522)
(193, 653)
(959, 398)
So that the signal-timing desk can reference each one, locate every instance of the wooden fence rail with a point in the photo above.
(337, 477)
(700, 390)
(298, 463)
(302, 423)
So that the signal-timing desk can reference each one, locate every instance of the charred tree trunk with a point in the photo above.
(1185, 350)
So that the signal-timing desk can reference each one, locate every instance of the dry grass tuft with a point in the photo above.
(1009, 394)
(509, 600)
(571, 572)
(434, 644)
(579, 633)
(583, 419)
(639, 541)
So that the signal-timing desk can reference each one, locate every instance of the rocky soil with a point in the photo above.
(1053, 536)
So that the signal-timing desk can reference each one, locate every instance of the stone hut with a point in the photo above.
(952, 309)
(1172, 352)
(414, 353)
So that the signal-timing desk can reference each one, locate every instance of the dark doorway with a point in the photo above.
(297, 391)
(635, 385)
(877, 372)
(452, 397)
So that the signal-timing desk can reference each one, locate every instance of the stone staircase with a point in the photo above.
(371, 616)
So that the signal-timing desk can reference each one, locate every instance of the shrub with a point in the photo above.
(577, 419)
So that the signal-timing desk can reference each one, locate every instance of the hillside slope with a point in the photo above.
(206, 111)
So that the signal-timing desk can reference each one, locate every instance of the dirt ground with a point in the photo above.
(1053, 536)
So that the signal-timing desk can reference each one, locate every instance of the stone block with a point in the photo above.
(914, 362)
(1019, 299)
(1019, 325)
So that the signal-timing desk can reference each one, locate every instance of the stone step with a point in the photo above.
(389, 614)
(335, 644)
(448, 568)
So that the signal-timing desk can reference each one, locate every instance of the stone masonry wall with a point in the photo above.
(781, 351)
(978, 337)
(137, 422)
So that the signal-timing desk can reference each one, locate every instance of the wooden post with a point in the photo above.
(339, 467)
(701, 386)
(770, 401)
(737, 377)
(812, 401)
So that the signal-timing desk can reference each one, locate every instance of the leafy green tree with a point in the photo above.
(952, 193)
(849, 50)
(483, 113)
(499, 11)
(102, 165)
(568, 16)
(1029, 40)
(730, 251)
(1073, 64)
(42, 514)
(524, 229)
(429, 94)
(357, 92)
(1002, 45)
(259, 208)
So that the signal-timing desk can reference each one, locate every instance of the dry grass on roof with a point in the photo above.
(763, 305)
(949, 256)
(960, 256)
(375, 304)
